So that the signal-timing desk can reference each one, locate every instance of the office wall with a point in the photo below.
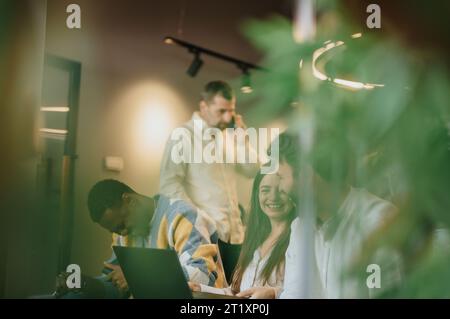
(134, 89)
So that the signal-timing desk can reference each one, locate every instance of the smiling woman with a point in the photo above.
(261, 263)
(260, 269)
(274, 198)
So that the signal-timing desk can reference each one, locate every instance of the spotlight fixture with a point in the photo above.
(195, 66)
(246, 86)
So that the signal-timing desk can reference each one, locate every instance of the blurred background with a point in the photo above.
(71, 98)
(76, 96)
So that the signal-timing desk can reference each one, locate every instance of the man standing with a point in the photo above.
(210, 186)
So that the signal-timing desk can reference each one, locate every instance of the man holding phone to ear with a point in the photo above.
(211, 187)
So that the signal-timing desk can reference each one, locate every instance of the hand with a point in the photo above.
(194, 286)
(117, 277)
(239, 122)
(61, 284)
(258, 293)
(90, 287)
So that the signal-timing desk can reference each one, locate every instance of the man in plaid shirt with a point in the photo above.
(151, 222)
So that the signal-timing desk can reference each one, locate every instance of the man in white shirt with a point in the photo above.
(336, 246)
(210, 186)
(319, 265)
(327, 239)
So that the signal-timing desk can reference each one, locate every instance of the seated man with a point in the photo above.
(150, 222)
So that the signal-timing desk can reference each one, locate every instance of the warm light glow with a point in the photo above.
(143, 117)
(318, 53)
(246, 89)
(350, 84)
(61, 109)
(354, 85)
(53, 131)
(168, 41)
(153, 121)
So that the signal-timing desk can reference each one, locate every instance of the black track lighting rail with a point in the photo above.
(198, 50)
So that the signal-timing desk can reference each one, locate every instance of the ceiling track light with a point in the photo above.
(246, 85)
(197, 63)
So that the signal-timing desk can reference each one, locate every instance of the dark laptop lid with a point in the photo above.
(153, 273)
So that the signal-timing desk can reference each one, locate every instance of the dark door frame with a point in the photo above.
(68, 166)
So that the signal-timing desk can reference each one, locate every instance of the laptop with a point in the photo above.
(157, 274)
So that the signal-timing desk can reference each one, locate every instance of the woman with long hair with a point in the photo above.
(260, 269)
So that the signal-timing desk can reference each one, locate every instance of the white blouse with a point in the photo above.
(252, 276)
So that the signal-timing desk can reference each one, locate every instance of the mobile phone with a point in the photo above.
(232, 123)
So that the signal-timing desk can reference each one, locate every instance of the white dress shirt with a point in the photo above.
(209, 186)
(360, 214)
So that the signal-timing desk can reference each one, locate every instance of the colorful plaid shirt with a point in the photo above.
(177, 225)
